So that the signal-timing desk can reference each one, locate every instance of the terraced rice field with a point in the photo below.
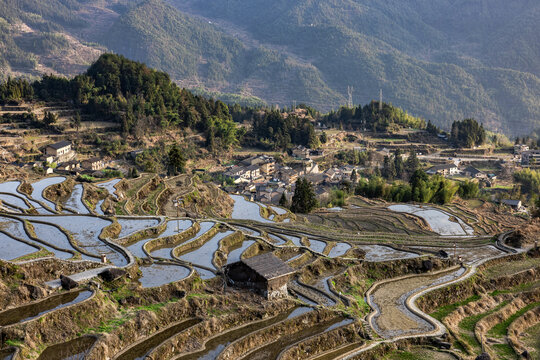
(137, 302)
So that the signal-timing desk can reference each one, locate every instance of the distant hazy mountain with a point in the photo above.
(443, 60)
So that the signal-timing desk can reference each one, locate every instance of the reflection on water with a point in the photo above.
(11, 249)
(339, 249)
(246, 210)
(157, 275)
(139, 351)
(384, 253)
(130, 226)
(437, 219)
(75, 200)
(41, 185)
(72, 350)
(33, 311)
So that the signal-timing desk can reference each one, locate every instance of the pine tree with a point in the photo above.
(389, 169)
(398, 164)
(304, 200)
(177, 161)
(412, 163)
(283, 200)
(354, 176)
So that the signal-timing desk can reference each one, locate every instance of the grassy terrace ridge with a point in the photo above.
(500, 329)
(443, 311)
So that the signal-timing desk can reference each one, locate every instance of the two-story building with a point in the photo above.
(94, 164)
(445, 169)
(61, 151)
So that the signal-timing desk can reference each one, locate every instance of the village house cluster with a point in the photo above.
(61, 157)
(261, 178)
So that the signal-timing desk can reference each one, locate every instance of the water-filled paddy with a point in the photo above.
(10, 187)
(440, 221)
(317, 245)
(130, 226)
(11, 249)
(98, 208)
(384, 253)
(157, 274)
(339, 249)
(34, 311)
(236, 254)
(16, 228)
(41, 185)
(13, 200)
(109, 186)
(86, 231)
(203, 255)
(71, 350)
(75, 201)
(246, 210)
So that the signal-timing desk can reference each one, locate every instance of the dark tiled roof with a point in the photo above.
(60, 144)
(268, 266)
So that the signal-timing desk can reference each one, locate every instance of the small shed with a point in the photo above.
(266, 274)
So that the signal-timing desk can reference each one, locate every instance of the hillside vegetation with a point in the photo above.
(442, 60)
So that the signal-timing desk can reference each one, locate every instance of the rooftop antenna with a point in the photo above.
(380, 100)
(350, 90)
(294, 104)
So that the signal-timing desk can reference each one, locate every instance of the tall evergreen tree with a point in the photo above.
(177, 161)
(304, 200)
(412, 164)
(398, 164)
(389, 169)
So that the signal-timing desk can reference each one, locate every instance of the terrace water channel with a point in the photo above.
(214, 346)
(141, 349)
(38, 309)
(71, 350)
(391, 317)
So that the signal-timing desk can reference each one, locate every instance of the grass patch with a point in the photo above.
(17, 343)
(197, 295)
(35, 255)
(443, 311)
(504, 351)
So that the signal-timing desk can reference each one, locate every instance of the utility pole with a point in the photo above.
(380, 100)
(350, 90)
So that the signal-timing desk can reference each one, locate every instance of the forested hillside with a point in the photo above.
(442, 60)
(439, 59)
